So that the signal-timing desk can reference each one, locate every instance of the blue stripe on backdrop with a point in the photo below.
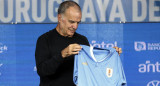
(140, 43)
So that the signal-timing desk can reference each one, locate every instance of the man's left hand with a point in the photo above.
(119, 50)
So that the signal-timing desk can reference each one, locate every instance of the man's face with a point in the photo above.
(68, 22)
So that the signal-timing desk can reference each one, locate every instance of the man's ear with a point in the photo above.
(59, 17)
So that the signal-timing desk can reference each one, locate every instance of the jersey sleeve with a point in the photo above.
(122, 81)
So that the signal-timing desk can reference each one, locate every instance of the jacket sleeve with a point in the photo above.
(46, 63)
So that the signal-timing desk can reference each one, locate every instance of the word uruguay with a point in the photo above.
(94, 10)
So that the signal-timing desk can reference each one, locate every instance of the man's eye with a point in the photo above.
(78, 22)
(71, 21)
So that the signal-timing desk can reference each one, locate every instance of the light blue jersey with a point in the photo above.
(98, 67)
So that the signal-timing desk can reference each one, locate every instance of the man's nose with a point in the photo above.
(75, 25)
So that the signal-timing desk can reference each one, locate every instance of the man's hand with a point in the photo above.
(72, 49)
(119, 50)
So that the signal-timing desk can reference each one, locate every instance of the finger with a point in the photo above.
(116, 48)
(120, 52)
(75, 44)
(119, 49)
(73, 53)
(77, 47)
(75, 50)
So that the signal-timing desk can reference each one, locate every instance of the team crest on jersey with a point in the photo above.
(84, 63)
(109, 72)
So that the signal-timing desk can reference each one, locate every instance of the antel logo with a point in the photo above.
(3, 48)
(154, 83)
(94, 43)
(139, 46)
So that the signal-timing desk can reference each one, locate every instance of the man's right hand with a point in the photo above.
(72, 49)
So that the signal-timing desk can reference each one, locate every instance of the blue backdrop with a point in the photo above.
(140, 43)
(133, 25)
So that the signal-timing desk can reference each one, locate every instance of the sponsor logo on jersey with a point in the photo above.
(109, 72)
(84, 63)
(154, 83)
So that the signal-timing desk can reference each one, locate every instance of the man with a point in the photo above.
(55, 49)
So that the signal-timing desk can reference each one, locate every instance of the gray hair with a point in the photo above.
(65, 5)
